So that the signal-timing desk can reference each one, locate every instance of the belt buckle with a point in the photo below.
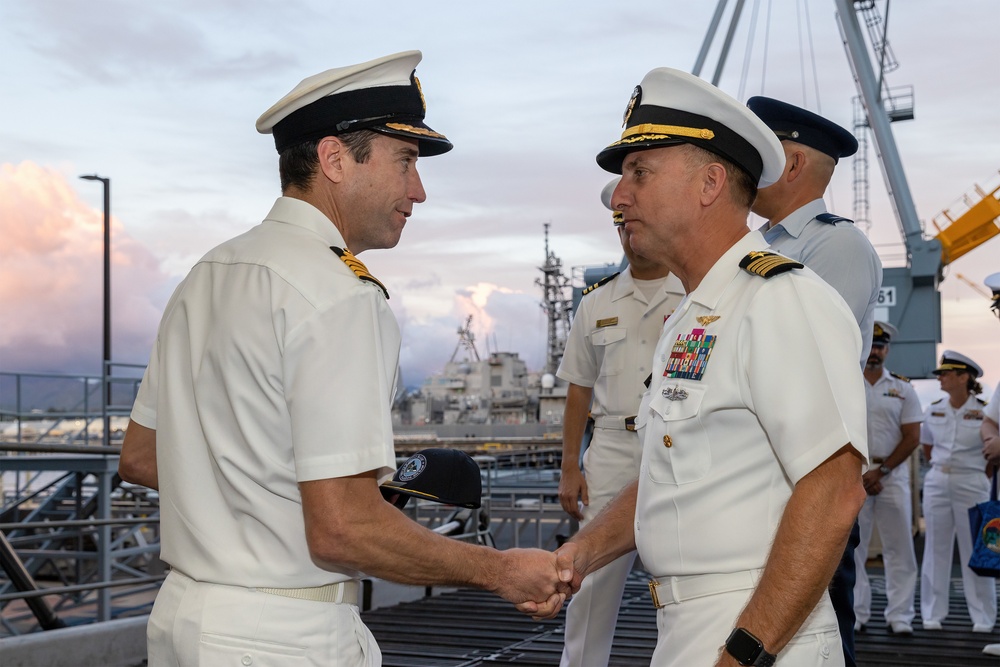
(630, 423)
(653, 585)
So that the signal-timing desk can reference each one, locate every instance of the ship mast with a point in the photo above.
(557, 306)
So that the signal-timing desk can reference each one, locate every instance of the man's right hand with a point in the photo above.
(572, 489)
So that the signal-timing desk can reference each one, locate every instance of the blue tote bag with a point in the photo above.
(984, 520)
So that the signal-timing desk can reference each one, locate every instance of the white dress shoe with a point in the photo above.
(982, 627)
(901, 628)
(992, 649)
(932, 625)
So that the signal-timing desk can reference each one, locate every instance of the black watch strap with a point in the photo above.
(748, 650)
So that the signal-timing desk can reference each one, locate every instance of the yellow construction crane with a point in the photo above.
(959, 234)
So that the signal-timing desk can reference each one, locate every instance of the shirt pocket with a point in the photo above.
(679, 447)
(610, 345)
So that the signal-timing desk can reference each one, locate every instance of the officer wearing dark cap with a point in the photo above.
(264, 414)
(799, 226)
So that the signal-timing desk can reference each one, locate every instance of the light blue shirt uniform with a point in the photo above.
(840, 254)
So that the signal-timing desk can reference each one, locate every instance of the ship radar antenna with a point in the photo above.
(466, 341)
(556, 304)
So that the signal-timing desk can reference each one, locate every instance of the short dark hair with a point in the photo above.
(297, 164)
(742, 186)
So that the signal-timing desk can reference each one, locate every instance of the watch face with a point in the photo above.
(743, 646)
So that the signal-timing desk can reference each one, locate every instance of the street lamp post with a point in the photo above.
(107, 299)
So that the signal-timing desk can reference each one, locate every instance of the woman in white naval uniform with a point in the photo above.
(955, 482)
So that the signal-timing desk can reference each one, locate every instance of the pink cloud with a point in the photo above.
(51, 278)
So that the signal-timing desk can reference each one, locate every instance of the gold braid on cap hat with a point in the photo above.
(673, 130)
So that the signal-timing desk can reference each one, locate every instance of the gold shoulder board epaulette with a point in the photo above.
(358, 267)
(937, 401)
(602, 281)
(899, 377)
(767, 264)
(981, 401)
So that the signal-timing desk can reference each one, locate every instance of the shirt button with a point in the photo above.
(247, 659)
(825, 651)
(667, 442)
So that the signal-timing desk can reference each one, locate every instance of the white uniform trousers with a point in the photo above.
(946, 503)
(693, 632)
(610, 462)
(892, 511)
(194, 624)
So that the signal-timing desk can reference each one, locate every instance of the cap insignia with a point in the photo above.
(358, 267)
(705, 320)
(767, 264)
(412, 468)
(420, 90)
(633, 102)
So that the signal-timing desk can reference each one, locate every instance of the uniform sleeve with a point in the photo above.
(926, 434)
(144, 407)
(912, 412)
(800, 349)
(992, 410)
(338, 368)
(579, 363)
(847, 261)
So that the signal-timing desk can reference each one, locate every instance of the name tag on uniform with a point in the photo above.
(607, 322)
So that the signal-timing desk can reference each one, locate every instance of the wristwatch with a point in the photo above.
(884, 469)
(748, 650)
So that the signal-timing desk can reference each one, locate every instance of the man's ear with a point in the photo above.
(795, 165)
(332, 158)
(713, 184)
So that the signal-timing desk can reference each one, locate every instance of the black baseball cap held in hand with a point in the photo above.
(448, 476)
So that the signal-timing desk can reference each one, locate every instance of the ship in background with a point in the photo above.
(476, 398)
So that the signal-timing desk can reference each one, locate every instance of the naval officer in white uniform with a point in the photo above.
(894, 416)
(263, 416)
(753, 426)
(606, 361)
(951, 441)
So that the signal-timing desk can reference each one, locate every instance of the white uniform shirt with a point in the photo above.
(954, 434)
(611, 342)
(781, 393)
(892, 402)
(274, 364)
(840, 254)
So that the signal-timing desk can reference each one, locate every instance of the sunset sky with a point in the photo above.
(162, 98)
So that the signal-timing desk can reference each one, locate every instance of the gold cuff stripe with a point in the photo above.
(673, 130)
(414, 130)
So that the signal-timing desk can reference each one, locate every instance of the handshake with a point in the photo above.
(536, 581)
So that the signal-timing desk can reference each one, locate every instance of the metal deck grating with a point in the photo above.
(467, 628)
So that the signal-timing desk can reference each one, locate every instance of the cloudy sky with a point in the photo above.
(162, 98)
